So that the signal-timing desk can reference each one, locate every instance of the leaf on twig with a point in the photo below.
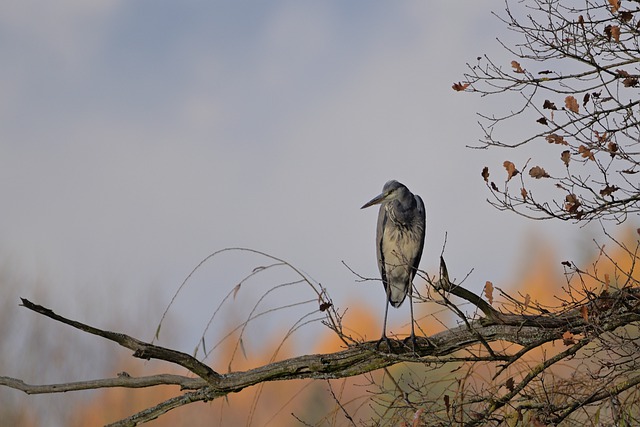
(236, 289)
(527, 300)
(630, 82)
(615, 5)
(555, 139)
(548, 105)
(567, 338)
(488, 291)
(542, 120)
(447, 403)
(537, 172)
(612, 31)
(602, 138)
(625, 16)
(586, 153)
(566, 157)
(510, 384)
(608, 190)
(607, 282)
(516, 67)
(325, 306)
(613, 148)
(511, 169)
(584, 311)
(571, 104)
(459, 87)
(485, 174)
(585, 99)
(572, 205)
(615, 33)
(523, 193)
(494, 187)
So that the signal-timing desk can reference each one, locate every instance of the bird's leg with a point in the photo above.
(384, 330)
(412, 337)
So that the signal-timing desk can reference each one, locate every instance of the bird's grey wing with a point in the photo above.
(422, 227)
(382, 220)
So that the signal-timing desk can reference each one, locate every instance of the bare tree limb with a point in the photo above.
(122, 380)
(141, 349)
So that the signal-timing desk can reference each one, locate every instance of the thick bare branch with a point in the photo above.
(141, 349)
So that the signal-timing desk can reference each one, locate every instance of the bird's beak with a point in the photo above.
(375, 201)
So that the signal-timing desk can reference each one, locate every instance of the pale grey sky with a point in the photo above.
(138, 137)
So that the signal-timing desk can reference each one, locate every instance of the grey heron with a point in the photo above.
(399, 242)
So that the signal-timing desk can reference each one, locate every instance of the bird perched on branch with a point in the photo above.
(399, 241)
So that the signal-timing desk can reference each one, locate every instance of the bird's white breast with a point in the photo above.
(396, 242)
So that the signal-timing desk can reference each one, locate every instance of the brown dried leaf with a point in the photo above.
(527, 300)
(586, 153)
(630, 82)
(510, 384)
(537, 172)
(607, 32)
(542, 121)
(447, 402)
(581, 20)
(601, 137)
(622, 73)
(571, 104)
(325, 306)
(566, 157)
(488, 291)
(625, 16)
(549, 105)
(615, 33)
(608, 189)
(572, 204)
(571, 198)
(567, 338)
(485, 174)
(523, 193)
(585, 99)
(556, 139)
(615, 5)
(584, 311)
(459, 87)
(511, 169)
(516, 67)
(494, 187)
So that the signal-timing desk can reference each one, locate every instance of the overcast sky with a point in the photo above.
(138, 137)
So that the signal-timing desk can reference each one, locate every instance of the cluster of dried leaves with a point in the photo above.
(587, 104)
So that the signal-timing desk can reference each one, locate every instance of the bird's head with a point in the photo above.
(392, 190)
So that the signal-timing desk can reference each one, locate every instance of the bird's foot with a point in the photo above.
(387, 341)
(411, 339)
